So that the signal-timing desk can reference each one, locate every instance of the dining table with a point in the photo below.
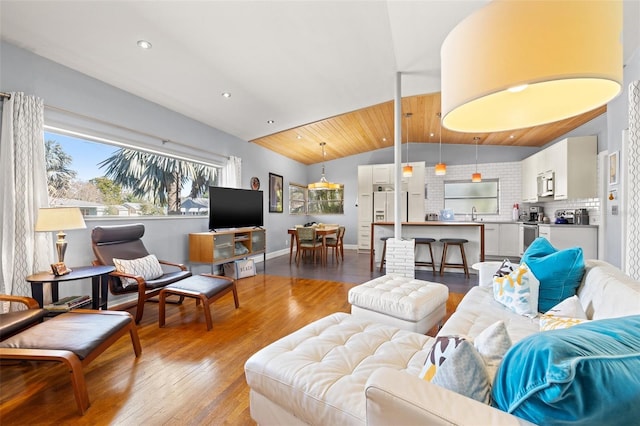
(321, 231)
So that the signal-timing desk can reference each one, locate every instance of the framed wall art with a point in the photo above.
(614, 168)
(276, 200)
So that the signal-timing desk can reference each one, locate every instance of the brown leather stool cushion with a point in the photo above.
(79, 333)
(13, 322)
(199, 284)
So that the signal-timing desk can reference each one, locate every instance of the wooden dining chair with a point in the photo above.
(337, 244)
(307, 241)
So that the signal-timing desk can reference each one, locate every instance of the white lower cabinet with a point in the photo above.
(501, 239)
(566, 236)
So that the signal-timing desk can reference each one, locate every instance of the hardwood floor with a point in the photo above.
(186, 375)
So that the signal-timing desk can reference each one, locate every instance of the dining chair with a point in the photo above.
(307, 241)
(337, 244)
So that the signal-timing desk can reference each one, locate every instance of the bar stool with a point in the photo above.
(384, 251)
(427, 241)
(454, 242)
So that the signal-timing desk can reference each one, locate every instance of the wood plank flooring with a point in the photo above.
(186, 375)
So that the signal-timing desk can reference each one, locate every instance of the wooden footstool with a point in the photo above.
(205, 287)
(407, 303)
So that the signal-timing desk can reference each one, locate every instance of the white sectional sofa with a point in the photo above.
(343, 370)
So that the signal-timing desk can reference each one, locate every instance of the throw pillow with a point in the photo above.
(505, 269)
(552, 322)
(465, 367)
(518, 291)
(570, 307)
(147, 267)
(587, 374)
(559, 271)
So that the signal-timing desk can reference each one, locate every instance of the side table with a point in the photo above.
(98, 274)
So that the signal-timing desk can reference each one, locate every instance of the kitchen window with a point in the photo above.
(462, 196)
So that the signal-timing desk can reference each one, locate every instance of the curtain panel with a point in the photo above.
(23, 179)
(632, 246)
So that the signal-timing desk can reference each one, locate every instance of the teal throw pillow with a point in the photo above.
(559, 271)
(584, 375)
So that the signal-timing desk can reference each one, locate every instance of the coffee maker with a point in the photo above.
(536, 213)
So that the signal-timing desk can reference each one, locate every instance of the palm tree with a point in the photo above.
(59, 175)
(157, 178)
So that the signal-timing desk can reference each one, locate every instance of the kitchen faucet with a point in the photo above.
(474, 215)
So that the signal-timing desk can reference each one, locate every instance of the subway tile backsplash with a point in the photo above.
(509, 176)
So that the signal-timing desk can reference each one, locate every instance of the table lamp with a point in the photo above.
(59, 219)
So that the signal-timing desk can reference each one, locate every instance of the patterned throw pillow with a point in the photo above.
(147, 267)
(505, 269)
(551, 322)
(565, 314)
(467, 367)
(518, 291)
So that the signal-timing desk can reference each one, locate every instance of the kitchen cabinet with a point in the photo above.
(530, 179)
(574, 163)
(509, 240)
(566, 236)
(382, 174)
(501, 239)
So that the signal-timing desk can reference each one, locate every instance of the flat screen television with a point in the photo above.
(234, 208)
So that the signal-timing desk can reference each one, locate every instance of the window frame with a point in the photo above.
(472, 197)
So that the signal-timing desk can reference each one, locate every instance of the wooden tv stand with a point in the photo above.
(227, 245)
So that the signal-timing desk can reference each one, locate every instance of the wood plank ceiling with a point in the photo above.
(371, 128)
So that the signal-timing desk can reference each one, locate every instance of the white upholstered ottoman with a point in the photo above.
(407, 303)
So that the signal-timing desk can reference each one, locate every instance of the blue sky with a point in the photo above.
(86, 155)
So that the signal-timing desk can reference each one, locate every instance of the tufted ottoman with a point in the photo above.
(407, 303)
(318, 374)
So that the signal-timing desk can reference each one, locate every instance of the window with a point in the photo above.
(297, 199)
(462, 196)
(304, 201)
(110, 180)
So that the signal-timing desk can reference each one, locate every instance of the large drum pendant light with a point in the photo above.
(520, 63)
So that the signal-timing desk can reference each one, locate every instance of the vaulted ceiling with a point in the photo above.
(298, 72)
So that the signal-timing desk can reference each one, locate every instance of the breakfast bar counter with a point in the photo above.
(472, 231)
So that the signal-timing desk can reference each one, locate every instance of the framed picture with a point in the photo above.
(276, 200)
(614, 168)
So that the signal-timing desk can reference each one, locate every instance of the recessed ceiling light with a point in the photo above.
(298, 137)
(511, 137)
(384, 139)
(270, 121)
(432, 134)
(226, 94)
(144, 44)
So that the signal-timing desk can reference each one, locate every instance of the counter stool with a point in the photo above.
(384, 251)
(427, 241)
(454, 242)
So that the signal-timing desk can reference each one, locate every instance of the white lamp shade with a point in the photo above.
(59, 219)
(560, 59)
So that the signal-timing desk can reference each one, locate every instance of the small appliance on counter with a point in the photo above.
(536, 213)
(581, 217)
(564, 217)
(431, 217)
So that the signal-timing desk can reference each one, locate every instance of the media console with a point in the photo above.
(227, 245)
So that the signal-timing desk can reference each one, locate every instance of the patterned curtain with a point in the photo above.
(23, 179)
(632, 261)
(231, 173)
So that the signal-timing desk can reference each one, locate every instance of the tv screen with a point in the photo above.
(234, 208)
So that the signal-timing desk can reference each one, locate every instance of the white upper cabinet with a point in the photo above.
(383, 174)
(573, 162)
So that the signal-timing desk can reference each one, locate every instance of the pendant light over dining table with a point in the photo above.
(323, 183)
(407, 170)
(533, 62)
